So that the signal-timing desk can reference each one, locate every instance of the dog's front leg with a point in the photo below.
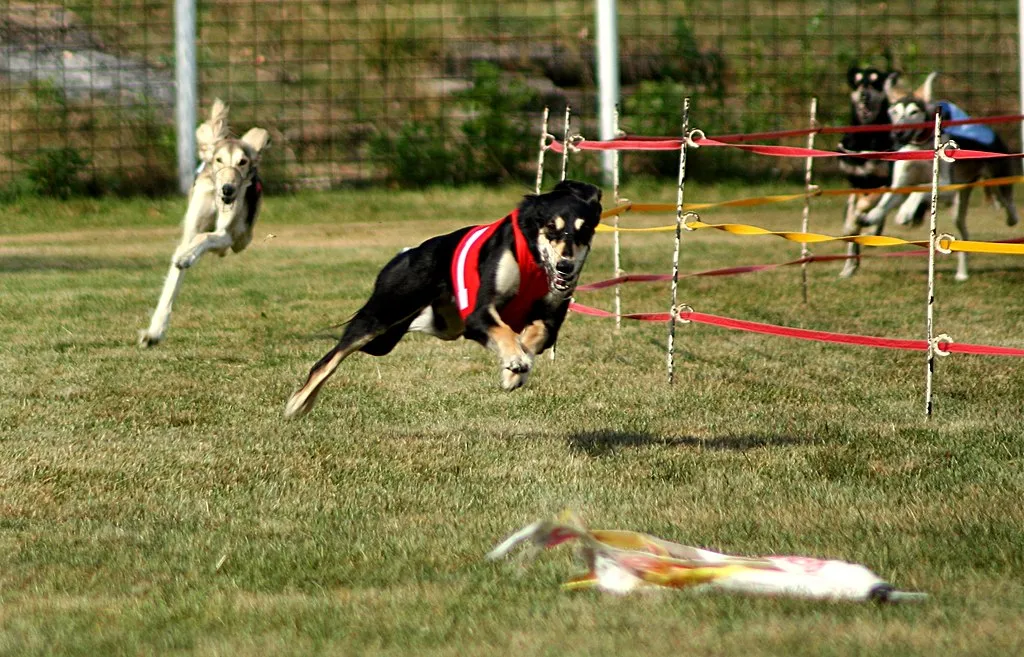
(532, 340)
(856, 206)
(188, 255)
(876, 216)
(534, 337)
(486, 326)
(162, 315)
(908, 209)
(219, 239)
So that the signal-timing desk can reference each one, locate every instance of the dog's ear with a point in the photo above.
(854, 75)
(257, 138)
(924, 92)
(894, 89)
(212, 130)
(583, 191)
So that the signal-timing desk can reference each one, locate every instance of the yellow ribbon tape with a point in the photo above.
(784, 198)
(865, 240)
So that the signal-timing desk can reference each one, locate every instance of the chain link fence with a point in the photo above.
(447, 91)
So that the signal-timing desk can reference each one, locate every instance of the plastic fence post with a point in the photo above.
(679, 229)
(808, 188)
(565, 143)
(540, 154)
(929, 314)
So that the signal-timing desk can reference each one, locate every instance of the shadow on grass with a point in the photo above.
(601, 443)
(18, 263)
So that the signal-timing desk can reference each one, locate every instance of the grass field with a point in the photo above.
(156, 502)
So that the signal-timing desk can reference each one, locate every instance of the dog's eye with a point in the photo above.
(220, 160)
(243, 162)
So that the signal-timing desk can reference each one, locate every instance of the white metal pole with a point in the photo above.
(616, 257)
(932, 241)
(607, 45)
(679, 231)
(808, 172)
(185, 75)
(1020, 62)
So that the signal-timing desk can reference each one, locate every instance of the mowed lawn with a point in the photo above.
(156, 502)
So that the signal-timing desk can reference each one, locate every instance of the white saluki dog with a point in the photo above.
(918, 107)
(222, 206)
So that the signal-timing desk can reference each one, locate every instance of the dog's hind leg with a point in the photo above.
(441, 320)
(856, 204)
(961, 202)
(375, 330)
(302, 400)
(1004, 196)
(402, 290)
(162, 315)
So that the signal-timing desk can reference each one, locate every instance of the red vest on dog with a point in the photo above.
(533, 281)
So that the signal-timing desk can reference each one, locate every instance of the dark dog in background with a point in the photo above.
(505, 285)
(906, 107)
(869, 105)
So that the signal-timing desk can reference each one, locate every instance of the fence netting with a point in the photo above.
(422, 91)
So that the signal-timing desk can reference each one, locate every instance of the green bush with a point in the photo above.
(496, 138)
(419, 154)
(492, 144)
(58, 172)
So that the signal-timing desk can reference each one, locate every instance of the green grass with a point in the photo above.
(156, 502)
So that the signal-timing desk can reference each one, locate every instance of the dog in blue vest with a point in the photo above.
(906, 107)
(506, 285)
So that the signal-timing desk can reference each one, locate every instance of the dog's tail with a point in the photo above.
(212, 130)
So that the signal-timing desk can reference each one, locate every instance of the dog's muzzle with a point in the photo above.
(228, 193)
(564, 276)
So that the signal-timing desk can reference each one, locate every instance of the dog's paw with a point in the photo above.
(518, 363)
(147, 340)
(849, 269)
(184, 260)
(904, 219)
(299, 404)
(511, 380)
(1011, 219)
(869, 219)
(961, 276)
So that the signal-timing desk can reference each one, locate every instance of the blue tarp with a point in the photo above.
(979, 133)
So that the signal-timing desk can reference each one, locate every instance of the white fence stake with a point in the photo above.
(566, 140)
(544, 136)
(566, 144)
(932, 245)
(808, 188)
(673, 310)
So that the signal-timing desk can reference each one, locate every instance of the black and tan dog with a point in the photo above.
(506, 285)
(914, 107)
(869, 105)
